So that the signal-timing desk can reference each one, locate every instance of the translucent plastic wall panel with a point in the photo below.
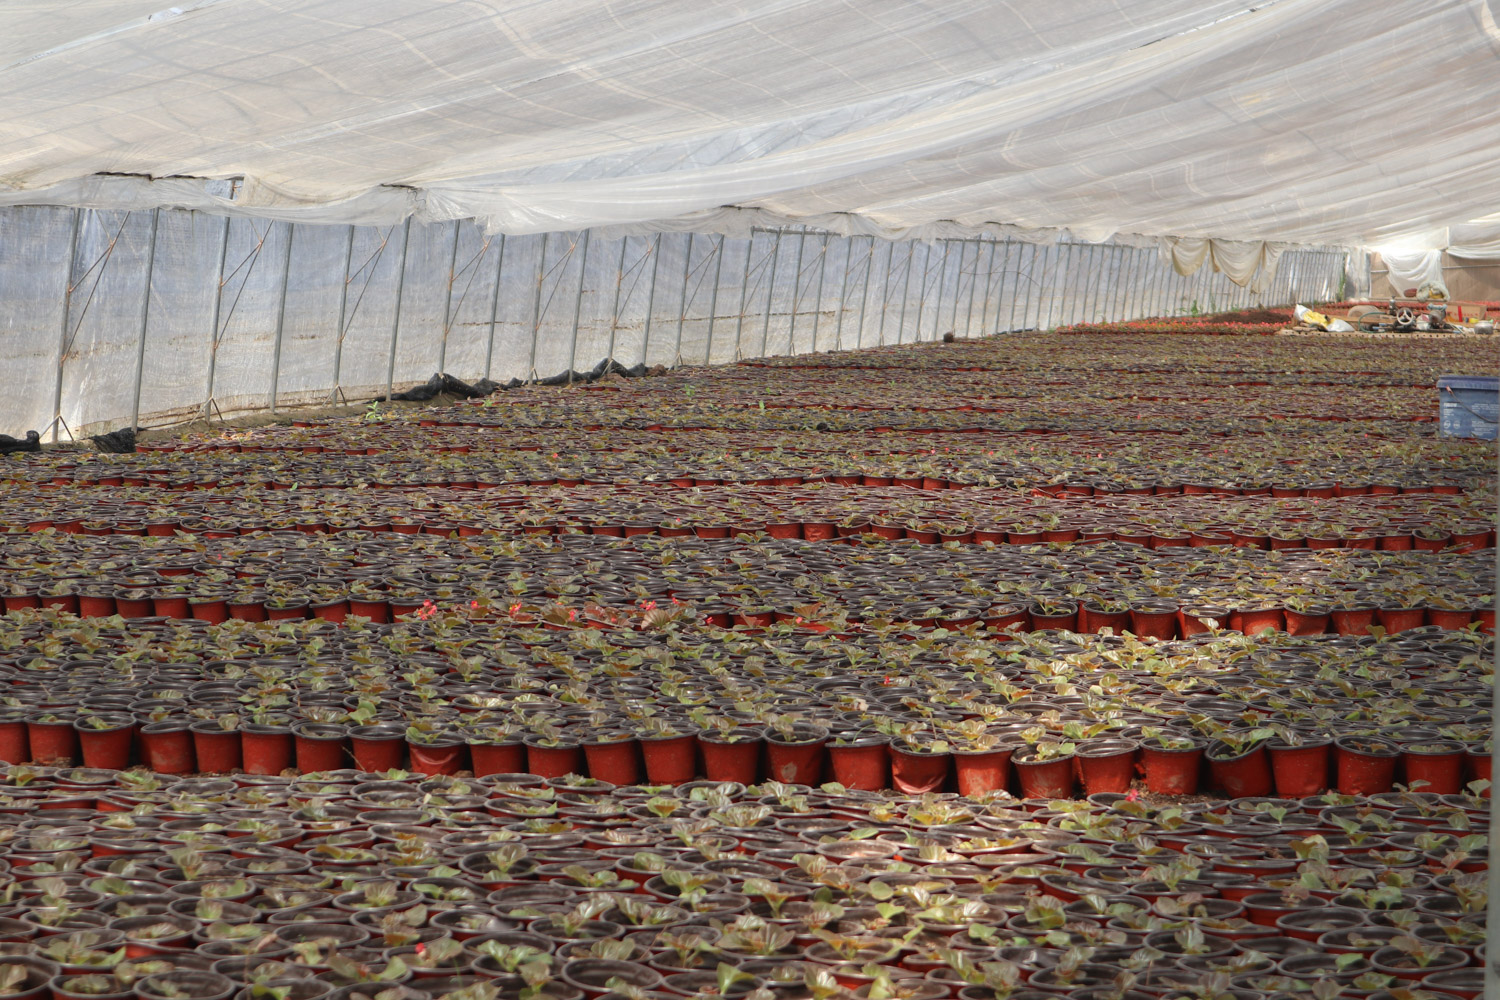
(466, 331)
(310, 320)
(720, 343)
(560, 283)
(843, 264)
(431, 257)
(104, 315)
(36, 261)
(699, 301)
(602, 274)
(179, 323)
(255, 276)
(850, 327)
(376, 269)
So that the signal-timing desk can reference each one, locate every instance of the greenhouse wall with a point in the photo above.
(114, 318)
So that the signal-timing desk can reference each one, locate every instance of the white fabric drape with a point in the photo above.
(1189, 118)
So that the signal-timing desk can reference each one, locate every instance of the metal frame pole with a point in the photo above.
(687, 263)
(885, 292)
(1057, 299)
(818, 295)
(213, 329)
(739, 322)
(989, 277)
(922, 290)
(140, 347)
(791, 327)
(390, 371)
(448, 301)
(62, 343)
(973, 282)
(338, 342)
(583, 266)
(911, 263)
(1093, 278)
(1015, 295)
(536, 308)
(864, 295)
(286, 280)
(651, 297)
(489, 351)
(614, 318)
(838, 329)
(765, 330)
(713, 302)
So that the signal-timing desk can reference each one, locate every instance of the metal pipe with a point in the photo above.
(687, 263)
(62, 343)
(448, 302)
(973, 284)
(340, 332)
(286, 280)
(140, 347)
(390, 371)
(864, 295)
(838, 329)
(536, 308)
(713, 301)
(583, 265)
(213, 327)
(989, 279)
(489, 351)
(911, 261)
(739, 323)
(1020, 252)
(885, 292)
(614, 317)
(818, 295)
(791, 327)
(765, 330)
(651, 298)
(922, 290)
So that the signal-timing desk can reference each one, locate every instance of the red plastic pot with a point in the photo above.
(670, 760)
(1449, 618)
(616, 761)
(14, 747)
(725, 761)
(216, 750)
(445, 757)
(109, 747)
(54, 743)
(1155, 621)
(1065, 618)
(265, 749)
(1477, 761)
(498, 758)
(1253, 621)
(1366, 766)
(983, 771)
(861, 764)
(553, 762)
(1106, 765)
(1440, 764)
(377, 747)
(1307, 622)
(1044, 779)
(1395, 620)
(797, 760)
(319, 746)
(917, 773)
(167, 748)
(1241, 776)
(1092, 618)
(1352, 621)
(1300, 771)
(1171, 772)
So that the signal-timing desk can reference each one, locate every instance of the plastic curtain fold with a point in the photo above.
(112, 317)
(1309, 122)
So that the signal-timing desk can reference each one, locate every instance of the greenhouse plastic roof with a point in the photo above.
(1335, 122)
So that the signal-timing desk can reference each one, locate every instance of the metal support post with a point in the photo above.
(213, 327)
(339, 331)
(989, 277)
(140, 346)
(614, 316)
(765, 330)
(489, 351)
(864, 294)
(818, 295)
(583, 271)
(687, 263)
(838, 328)
(713, 302)
(390, 371)
(791, 327)
(651, 297)
(536, 308)
(442, 365)
(286, 280)
(739, 322)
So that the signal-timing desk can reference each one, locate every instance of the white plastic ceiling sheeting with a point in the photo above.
(1333, 122)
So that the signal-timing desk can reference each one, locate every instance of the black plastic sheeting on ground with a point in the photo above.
(31, 442)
